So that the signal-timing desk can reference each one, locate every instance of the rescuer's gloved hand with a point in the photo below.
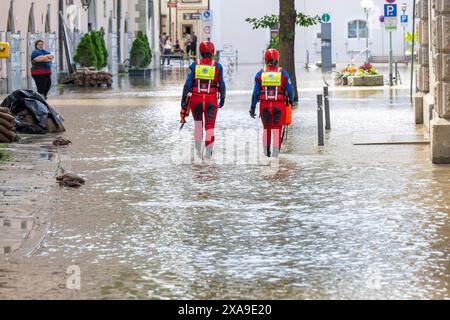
(252, 113)
(182, 115)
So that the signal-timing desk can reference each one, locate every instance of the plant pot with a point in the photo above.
(344, 81)
(338, 82)
(140, 72)
(366, 81)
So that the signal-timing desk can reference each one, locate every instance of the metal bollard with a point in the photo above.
(327, 108)
(320, 119)
(307, 59)
(396, 72)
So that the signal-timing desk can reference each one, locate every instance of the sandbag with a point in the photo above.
(9, 134)
(7, 116)
(4, 139)
(7, 124)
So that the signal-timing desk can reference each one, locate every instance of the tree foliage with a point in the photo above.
(274, 43)
(273, 21)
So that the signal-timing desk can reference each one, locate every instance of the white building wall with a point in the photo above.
(229, 27)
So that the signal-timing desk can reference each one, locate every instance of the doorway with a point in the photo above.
(187, 28)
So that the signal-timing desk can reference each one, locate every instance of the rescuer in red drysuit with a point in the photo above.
(203, 88)
(274, 91)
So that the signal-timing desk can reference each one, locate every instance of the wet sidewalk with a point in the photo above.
(333, 222)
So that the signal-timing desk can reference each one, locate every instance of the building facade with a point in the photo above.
(432, 102)
(184, 16)
(22, 22)
(348, 24)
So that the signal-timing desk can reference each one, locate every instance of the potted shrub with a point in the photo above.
(92, 52)
(98, 40)
(85, 54)
(140, 56)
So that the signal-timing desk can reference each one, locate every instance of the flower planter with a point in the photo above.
(366, 81)
(140, 72)
(338, 82)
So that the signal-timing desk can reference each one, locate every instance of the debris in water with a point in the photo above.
(70, 180)
(60, 141)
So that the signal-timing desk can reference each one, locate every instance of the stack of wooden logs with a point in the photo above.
(86, 77)
(7, 129)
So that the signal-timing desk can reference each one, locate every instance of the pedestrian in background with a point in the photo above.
(194, 44)
(168, 50)
(187, 43)
(41, 68)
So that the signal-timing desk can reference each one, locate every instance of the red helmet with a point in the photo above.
(207, 46)
(272, 54)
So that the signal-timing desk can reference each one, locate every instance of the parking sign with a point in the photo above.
(390, 10)
(404, 19)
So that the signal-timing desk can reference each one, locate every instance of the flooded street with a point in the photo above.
(342, 221)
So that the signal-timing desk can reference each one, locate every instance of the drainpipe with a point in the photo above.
(60, 37)
(119, 20)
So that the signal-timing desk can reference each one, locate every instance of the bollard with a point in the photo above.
(396, 72)
(307, 59)
(320, 119)
(327, 108)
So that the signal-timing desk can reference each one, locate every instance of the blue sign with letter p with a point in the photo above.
(390, 10)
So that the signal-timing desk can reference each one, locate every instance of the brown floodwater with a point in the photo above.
(335, 222)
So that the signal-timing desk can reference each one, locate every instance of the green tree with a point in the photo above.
(140, 54)
(287, 19)
(96, 39)
(147, 48)
(85, 54)
(103, 45)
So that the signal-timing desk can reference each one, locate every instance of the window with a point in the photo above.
(357, 29)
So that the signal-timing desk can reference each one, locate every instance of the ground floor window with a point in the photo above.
(357, 29)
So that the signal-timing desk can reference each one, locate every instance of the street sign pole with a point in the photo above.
(390, 13)
(391, 58)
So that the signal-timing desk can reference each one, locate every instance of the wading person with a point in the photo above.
(41, 68)
(274, 91)
(203, 90)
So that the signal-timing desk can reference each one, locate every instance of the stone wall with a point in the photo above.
(423, 70)
(433, 77)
